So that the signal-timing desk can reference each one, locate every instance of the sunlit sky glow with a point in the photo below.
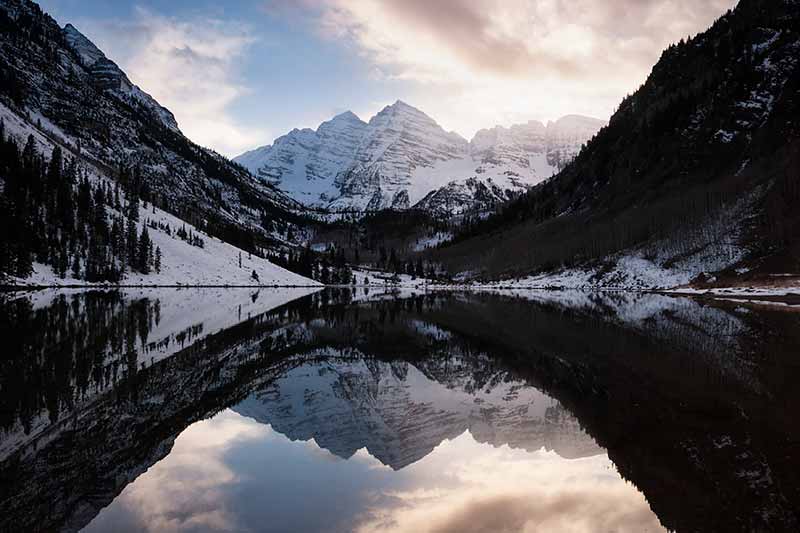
(239, 73)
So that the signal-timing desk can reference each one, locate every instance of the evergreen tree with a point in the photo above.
(131, 244)
(143, 253)
(76, 267)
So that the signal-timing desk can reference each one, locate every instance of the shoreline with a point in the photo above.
(789, 296)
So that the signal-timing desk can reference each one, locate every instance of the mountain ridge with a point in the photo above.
(401, 156)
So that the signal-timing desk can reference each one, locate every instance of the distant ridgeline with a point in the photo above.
(706, 151)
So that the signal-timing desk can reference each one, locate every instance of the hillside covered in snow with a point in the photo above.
(187, 255)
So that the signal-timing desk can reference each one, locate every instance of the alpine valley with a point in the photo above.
(693, 183)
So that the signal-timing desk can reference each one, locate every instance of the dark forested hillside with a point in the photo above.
(57, 82)
(706, 151)
(51, 213)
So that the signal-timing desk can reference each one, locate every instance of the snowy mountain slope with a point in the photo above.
(215, 264)
(400, 413)
(505, 162)
(303, 162)
(402, 156)
(399, 142)
(59, 79)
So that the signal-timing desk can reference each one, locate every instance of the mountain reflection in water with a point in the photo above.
(237, 410)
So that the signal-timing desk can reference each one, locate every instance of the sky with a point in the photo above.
(239, 73)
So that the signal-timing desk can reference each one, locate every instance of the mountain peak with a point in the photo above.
(347, 116)
(88, 53)
(401, 104)
(401, 107)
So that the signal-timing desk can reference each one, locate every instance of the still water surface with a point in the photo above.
(287, 410)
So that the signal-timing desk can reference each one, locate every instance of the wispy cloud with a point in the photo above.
(189, 66)
(507, 60)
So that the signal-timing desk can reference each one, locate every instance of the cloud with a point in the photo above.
(468, 487)
(189, 66)
(583, 510)
(507, 60)
(187, 489)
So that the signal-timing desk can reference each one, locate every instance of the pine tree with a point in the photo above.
(143, 252)
(54, 168)
(133, 208)
(63, 262)
(131, 244)
(158, 259)
(76, 266)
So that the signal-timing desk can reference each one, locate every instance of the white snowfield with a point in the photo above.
(216, 264)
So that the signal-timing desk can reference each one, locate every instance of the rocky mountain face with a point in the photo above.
(58, 81)
(315, 154)
(402, 158)
(107, 76)
(400, 412)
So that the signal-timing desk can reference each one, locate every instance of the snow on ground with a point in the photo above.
(631, 272)
(20, 129)
(216, 264)
(792, 289)
(432, 241)
(365, 276)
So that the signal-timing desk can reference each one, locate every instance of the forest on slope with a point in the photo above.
(706, 151)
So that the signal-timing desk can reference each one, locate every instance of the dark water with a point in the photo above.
(237, 410)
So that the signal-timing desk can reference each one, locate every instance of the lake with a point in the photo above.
(344, 410)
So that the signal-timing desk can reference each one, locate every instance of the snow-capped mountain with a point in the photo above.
(402, 158)
(400, 412)
(400, 143)
(314, 155)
